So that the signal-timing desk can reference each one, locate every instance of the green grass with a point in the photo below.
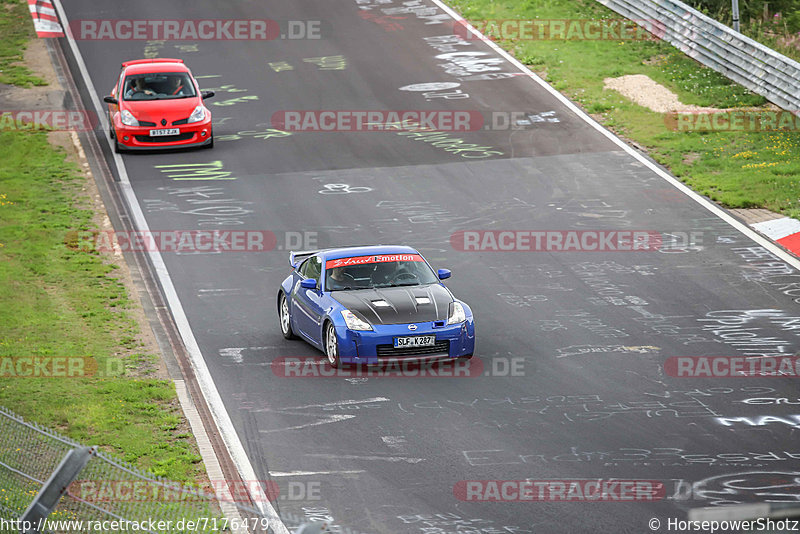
(57, 300)
(736, 169)
(16, 29)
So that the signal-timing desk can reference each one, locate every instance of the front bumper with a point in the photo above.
(372, 347)
(138, 137)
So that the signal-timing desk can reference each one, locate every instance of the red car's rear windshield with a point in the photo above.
(158, 86)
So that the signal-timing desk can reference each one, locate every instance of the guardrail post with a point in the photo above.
(735, 12)
(52, 490)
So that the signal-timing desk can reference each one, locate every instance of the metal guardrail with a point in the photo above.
(745, 61)
(45, 475)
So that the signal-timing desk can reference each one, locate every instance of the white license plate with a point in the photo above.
(414, 341)
(168, 131)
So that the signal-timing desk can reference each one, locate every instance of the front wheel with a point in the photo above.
(285, 319)
(332, 346)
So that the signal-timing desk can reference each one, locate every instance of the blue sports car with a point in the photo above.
(365, 305)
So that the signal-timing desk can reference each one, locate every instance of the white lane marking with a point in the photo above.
(204, 378)
(233, 354)
(393, 459)
(710, 206)
(325, 405)
(356, 381)
(219, 292)
(394, 442)
(214, 470)
(324, 421)
(313, 473)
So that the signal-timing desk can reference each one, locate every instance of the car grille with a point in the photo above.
(388, 351)
(180, 122)
(146, 123)
(164, 138)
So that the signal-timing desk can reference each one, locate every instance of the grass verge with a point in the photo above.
(15, 31)
(737, 169)
(59, 301)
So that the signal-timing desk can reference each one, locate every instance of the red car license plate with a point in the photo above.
(168, 131)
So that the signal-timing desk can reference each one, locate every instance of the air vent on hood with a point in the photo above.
(423, 300)
(380, 304)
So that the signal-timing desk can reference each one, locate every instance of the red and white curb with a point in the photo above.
(784, 231)
(45, 20)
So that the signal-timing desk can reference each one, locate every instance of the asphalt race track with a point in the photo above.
(586, 333)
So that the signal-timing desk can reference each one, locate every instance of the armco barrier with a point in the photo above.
(743, 60)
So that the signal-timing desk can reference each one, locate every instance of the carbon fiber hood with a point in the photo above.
(398, 305)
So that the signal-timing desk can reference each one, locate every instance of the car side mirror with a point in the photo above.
(207, 94)
(308, 283)
(444, 274)
(110, 100)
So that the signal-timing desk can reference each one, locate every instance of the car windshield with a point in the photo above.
(368, 272)
(158, 86)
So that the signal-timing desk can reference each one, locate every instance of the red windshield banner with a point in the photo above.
(361, 260)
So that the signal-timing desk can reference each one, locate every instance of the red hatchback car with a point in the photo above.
(157, 103)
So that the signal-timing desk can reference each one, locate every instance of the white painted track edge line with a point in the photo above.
(710, 206)
(213, 469)
(204, 378)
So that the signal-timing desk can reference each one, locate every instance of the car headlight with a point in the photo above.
(457, 314)
(197, 115)
(128, 119)
(353, 322)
